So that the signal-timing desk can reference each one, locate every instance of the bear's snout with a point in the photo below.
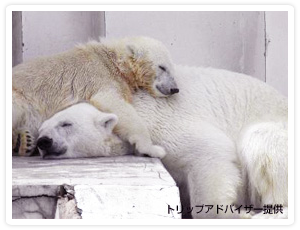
(174, 90)
(44, 143)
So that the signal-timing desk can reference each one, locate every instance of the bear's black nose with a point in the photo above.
(174, 90)
(44, 143)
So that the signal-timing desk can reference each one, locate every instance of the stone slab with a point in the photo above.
(34, 208)
(126, 202)
(106, 187)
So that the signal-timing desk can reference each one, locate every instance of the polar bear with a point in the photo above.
(95, 129)
(226, 138)
(104, 74)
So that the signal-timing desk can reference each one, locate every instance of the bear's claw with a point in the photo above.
(24, 146)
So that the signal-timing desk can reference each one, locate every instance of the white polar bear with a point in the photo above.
(226, 138)
(85, 135)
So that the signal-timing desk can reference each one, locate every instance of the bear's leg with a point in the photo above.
(214, 178)
(206, 168)
(263, 152)
(130, 127)
(214, 182)
(214, 195)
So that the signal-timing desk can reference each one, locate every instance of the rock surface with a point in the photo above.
(107, 187)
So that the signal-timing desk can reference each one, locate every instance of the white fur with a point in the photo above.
(89, 132)
(209, 126)
(226, 138)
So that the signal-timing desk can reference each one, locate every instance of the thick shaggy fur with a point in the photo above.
(104, 74)
(226, 138)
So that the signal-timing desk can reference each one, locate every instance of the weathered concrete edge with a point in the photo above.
(35, 190)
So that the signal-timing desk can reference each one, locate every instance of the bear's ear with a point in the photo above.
(107, 121)
(134, 51)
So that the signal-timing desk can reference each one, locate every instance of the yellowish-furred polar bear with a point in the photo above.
(226, 137)
(104, 74)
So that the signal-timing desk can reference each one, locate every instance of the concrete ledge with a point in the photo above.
(90, 188)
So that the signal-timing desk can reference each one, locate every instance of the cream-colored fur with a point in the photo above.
(104, 74)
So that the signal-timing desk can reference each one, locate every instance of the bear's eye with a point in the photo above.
(66, 124)
(162, 68)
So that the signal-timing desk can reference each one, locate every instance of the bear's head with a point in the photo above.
(150, 63)
(80, 131)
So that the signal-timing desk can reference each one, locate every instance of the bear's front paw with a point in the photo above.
(156, 151)
(24, 144)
